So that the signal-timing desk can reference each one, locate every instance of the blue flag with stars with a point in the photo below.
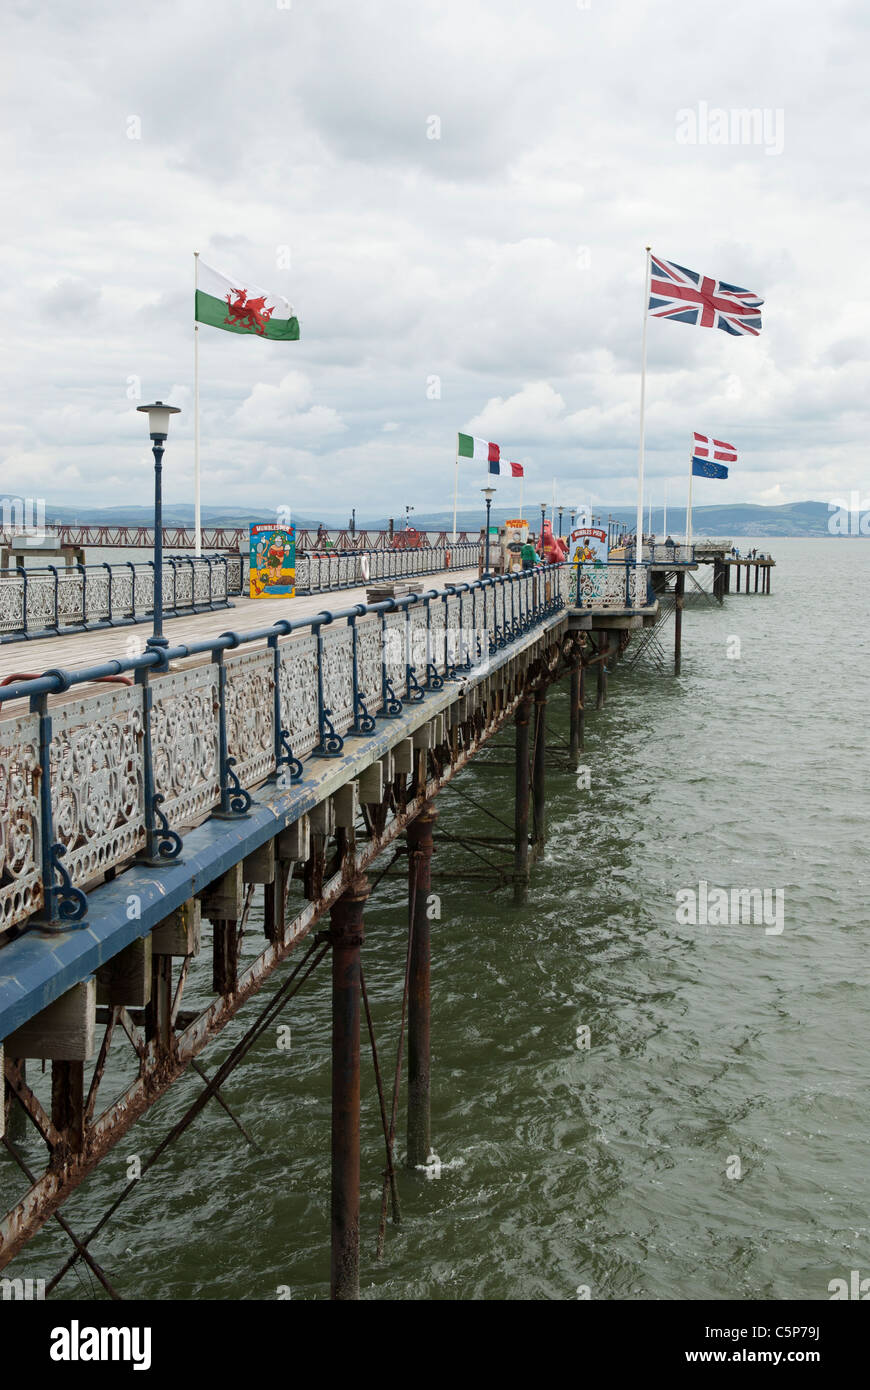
(706, 468)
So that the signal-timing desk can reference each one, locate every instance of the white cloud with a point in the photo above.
(284, 411)
(503, 259)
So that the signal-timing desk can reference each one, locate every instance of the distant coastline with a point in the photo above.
(798, 520)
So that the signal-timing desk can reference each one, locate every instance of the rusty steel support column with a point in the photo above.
(604, 656)
(346, 936)
(17, 1124)
(521, 800)
(539, 767)
(225, 964)
(68, 1102)
(575, 700)
(158, 1010)
(275, 901)
(420, 833)
(581, 717)
(678, 621)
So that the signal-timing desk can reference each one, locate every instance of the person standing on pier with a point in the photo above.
(529, 555)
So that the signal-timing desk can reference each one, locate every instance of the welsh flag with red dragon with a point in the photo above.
(237, 306)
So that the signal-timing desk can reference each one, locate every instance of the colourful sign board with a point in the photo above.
(588, 544)
(272, 560)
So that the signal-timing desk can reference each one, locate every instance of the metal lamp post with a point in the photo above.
(158, 427)
(543, 507)
(573, 516)
(561, 510)
(489, 493)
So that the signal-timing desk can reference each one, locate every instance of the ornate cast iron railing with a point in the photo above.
(87, 784)
(41, 602)
(321, 572)
(223, 538)
(665, 554)
(615, 584)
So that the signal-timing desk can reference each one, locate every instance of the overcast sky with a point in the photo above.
(488, 280)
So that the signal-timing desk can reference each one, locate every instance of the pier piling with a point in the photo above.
(678, 620)
(158, 1010)
(420, 846)
(521, 800)
(539, 767)
(601, 688)
(68, 1101)
(576, 702)
(346, 936)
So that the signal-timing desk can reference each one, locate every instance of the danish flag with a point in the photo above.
(706, 448)
(684, 295)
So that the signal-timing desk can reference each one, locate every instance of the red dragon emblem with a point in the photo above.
(248, 313)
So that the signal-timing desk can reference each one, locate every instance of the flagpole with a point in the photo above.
(638, 544)
(455, 495)
(197, 531)
(665, 517)
(522, 480)
(689, 504)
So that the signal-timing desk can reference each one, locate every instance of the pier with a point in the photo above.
(148, 802)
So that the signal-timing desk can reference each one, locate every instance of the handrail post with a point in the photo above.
(170, 560)
(84, 571)
(363, 722)
(391, 705)
(53, 569)
(235, 802)
(62, 903)
(412, 685)
(284, 757)
(107, 566)
(190, 561)
(162, 845)
(330, 743)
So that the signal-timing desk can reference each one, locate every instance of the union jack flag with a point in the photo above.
(684, 295)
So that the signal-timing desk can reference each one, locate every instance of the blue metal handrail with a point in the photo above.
(56, 680)
(616, 578)
(117, 611)
(481, 632)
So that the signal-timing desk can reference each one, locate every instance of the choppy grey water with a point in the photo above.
(604, 1167)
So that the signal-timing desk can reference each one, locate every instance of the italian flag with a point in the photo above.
(240, 307)
(469, 447)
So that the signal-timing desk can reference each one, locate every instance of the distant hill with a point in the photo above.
(735, 519)
(174, 514)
